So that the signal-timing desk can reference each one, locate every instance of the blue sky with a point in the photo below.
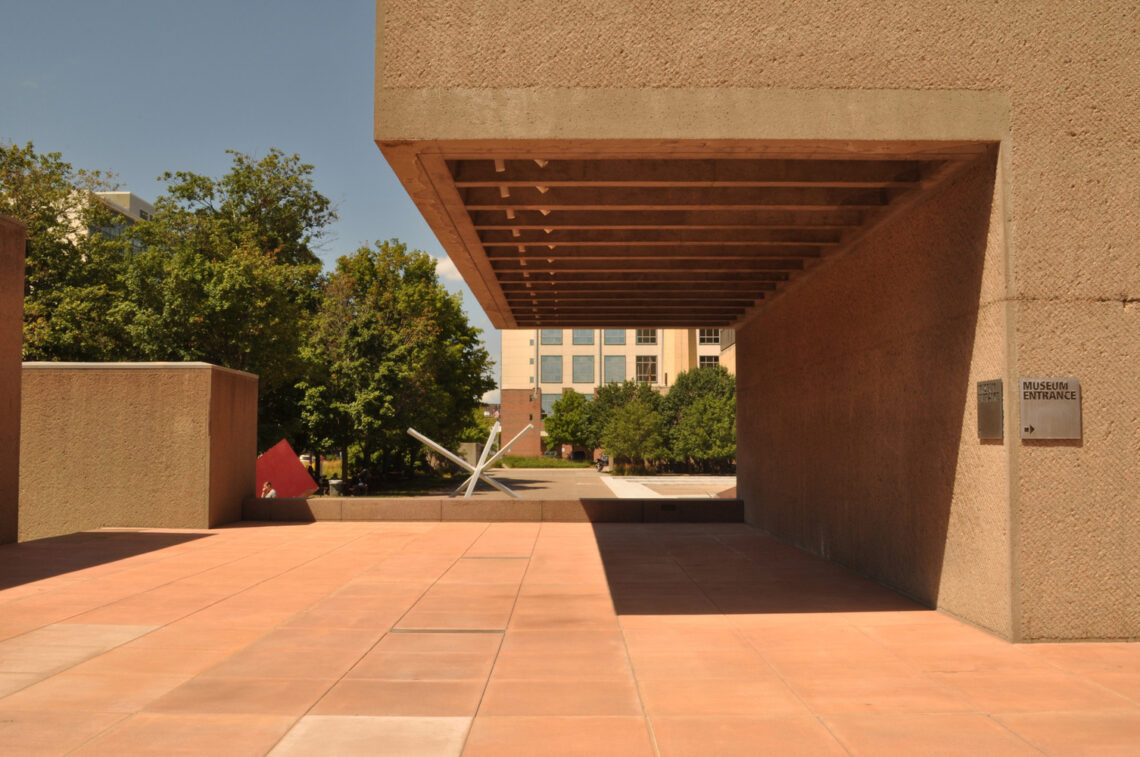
(140, 87)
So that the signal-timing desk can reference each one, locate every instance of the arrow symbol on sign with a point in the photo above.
(1030, 429)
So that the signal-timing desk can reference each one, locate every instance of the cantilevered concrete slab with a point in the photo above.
(598, 230)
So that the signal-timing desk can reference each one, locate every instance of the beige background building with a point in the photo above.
(889, 201)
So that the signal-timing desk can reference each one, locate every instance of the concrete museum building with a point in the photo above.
(920, 219)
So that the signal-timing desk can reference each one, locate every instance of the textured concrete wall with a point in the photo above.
(11, 343)
(1064, 75)
(856, 415)
(233, 443)
(158, 445)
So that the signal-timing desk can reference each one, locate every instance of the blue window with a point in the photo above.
(548, 401)
(582, 368)
(551, 336)
(583, 336)
(551, 369)
(614, 336)
(615, 369)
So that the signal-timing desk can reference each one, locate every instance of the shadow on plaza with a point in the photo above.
(39, 559)
(697, 569)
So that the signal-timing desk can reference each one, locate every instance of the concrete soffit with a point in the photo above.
(666, 208)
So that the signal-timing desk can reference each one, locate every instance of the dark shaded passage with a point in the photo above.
(718, 568)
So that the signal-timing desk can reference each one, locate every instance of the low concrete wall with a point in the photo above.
(154, 445)
(307, 510)
(11, 343)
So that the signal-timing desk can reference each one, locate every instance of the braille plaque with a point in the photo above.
(1050, 408)
(991, 418)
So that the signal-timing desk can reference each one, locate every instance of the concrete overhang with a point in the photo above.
(665, 208)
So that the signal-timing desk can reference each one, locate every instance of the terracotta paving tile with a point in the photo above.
(347, 736)
(1097, 734)
(1090, 658)
(284, 662)
(557, 697)
(569, 641)
(568, 619)
(950, 734)
(22, 658)
(367, 696)
(92, 692)
(729, 639)
(675, 638)
(559, 737)
(726, 736)
(188, 636)
(878, 693)
(1017, 691)
(719, 696)
(574, 666)
(191, 735)
(469, 643)
(35, 734)
(13, 682)
(287, 637)
(418, 666)
(253, 696)
(151, 660)
(838, 662)
(485, 570)
(454, 620)
(700, 663)
(1125, 684)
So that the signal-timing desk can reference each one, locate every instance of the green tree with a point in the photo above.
(394, 350)
(569, 421)
(608, 399)
(713, 388)
(635, 434)
(73, 265)
(706, 433)
(225, 272)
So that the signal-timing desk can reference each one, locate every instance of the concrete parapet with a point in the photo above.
(154, 445)
(308, 510)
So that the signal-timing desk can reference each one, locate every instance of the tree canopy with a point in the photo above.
(226, 271)
(569, 421)
(393, 349)
(693, 426)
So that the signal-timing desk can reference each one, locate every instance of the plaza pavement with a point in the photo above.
(515, 639)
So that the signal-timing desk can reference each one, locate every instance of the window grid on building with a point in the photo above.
(548, 401)
(614, 366)
(613, 336)
(551, 369)
(646, 369)
(551, 336)
(709, 336)
(582, 336)
(706, 360)
(582, 369)
(646, 336)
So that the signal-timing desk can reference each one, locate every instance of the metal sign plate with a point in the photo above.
(991, 418)
(1050, 408)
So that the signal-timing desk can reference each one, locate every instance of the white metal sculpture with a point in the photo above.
(478, 470)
